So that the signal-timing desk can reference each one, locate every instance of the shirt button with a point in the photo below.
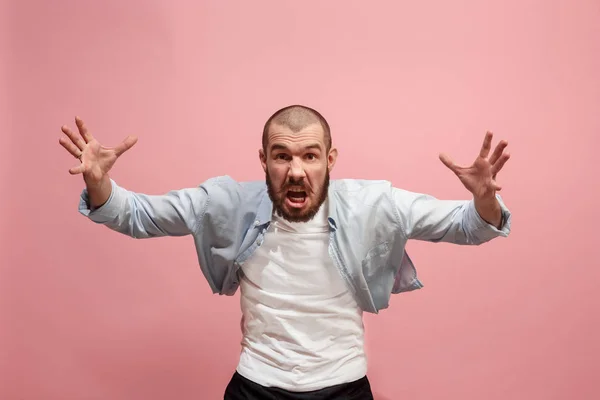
(256, 223)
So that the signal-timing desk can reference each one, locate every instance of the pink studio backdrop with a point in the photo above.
(86, 313)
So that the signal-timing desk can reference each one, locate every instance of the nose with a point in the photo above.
(296, 171)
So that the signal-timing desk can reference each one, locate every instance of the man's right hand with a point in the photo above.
(96, 160)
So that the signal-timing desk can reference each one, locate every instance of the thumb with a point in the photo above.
(447, 161)
(125, 145)
(77, 170)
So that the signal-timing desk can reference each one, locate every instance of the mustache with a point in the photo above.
(292, 183)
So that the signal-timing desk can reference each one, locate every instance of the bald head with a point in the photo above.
(296, 118)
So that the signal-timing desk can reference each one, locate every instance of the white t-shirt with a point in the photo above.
(302, 328)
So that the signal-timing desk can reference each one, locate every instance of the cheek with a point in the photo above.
(317, 178)
(278, 175)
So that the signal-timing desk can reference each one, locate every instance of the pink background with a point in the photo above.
(86, 313)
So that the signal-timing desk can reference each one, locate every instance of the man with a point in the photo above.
(309, 255)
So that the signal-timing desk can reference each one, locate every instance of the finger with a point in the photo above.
(447, 161)
(487, 145)
(83, 130)
(76, 139)
(498, 151)
(77, 170)
(125, 145)
(70, 146)
(500, 163)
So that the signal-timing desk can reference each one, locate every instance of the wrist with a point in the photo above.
(487, 200)
(99, 191)
(96, 183)
(489, 210)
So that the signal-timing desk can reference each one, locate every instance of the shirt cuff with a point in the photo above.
(483, 226)
(109, 210)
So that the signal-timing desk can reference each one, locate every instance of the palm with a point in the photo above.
(96, 160)
(480, 177)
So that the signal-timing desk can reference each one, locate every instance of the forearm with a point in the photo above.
(489, 210)
(98, 192)
(424, 217)
(140, 215)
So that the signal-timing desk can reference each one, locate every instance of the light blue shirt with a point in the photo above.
(370, 224)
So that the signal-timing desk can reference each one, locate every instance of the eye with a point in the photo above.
(311, 156)
(281, 156)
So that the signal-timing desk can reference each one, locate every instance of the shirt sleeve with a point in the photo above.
(138, 215)
(424, 217)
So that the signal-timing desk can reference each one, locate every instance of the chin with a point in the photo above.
(296, 217)
(304, 214)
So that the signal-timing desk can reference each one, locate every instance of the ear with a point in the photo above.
(331, 158)
(263, 159)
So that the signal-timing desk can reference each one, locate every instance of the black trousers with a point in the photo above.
(240, 388)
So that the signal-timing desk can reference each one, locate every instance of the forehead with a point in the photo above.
(284, 135)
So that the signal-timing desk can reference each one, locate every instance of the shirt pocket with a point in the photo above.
(375, 261)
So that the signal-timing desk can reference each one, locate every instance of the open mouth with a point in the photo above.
(296, 198)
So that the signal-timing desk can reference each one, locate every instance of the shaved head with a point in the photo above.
(296, 118)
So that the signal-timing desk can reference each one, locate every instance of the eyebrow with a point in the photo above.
(276, 147)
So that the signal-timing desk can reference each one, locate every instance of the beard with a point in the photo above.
(296, 215)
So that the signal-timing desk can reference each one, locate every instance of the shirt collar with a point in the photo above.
(265, 210)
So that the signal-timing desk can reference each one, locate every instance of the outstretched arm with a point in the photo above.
(137, 215)
(476, 221)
